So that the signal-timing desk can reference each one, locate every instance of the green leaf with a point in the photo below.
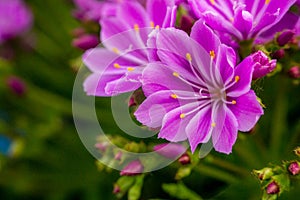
(180, 191)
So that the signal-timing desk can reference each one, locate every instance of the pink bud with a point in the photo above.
(186, 23)
(185, 159)
(169, 150)
(16, 85)
(101, 146)
(133, 168)
(263, 65)
(294, 168)
(118, 156)
(294, 72)
(86, 42)
(278, 54)
(273, 188)
(285, 37)
(117, 189)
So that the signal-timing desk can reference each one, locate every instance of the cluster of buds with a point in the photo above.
(276, 179)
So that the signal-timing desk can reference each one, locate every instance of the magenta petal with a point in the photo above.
(173, 46)
(198, 129)
(243, 22)
(157, 10)
(205, 36)
(98, 59)
(243, 75)
(158, 77)
(133, 13)
(226, 60)
(173, 128)
(126, 83)
(247, 110)
(223, 140)
(96, 82)
(111, 26)
(154, 108)
(170, 150)
(218, 23)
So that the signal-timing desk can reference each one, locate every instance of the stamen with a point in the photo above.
(157, 27)
(212, 2)
(136, 27)
(267, 1)
(130, 69)
(233, 102)
(176, 74)
(188, 57)
(212, 54)
(236, 78)
(115, 50)
(182, 115)
(152, 24)
(116, 65)
(174, 96)
(213, 124)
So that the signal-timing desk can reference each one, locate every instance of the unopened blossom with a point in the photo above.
(169, 150)
(243, 20)
(198, 92)
(118, 67)
(294, 168)
(273, 188)
(16, 85)
(15, 19)
(285, 37)
(263, 65)
(86, 41)
(133, 168)
(294, 72)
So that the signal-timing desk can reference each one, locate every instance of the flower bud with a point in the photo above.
(102, 146)
(186, 23)
(297, 151)
(284, 37)
(263, 65)
(294, 168)
(294, 72)
(273, 188)
(169, 150)
(133, 168)
(118, 155)
(117, 189)
(86, 42)
(16, 85)
(278, 54)
(264, 173)
(184, 159)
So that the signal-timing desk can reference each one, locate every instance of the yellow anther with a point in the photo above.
(116, 65)
(213, 124)
(136, 27)
(231, 19)
(188, 57)
(175, 74)
(157, 27)
(130, 69)
(212, 54)
(152, 24)
(267, 1)
(182, 115)
(233, 102)
(174, 96)
(212, 2)
(115, 50)
(236, 78)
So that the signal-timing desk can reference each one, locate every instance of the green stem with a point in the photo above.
(229, 166)
(279, 119)
(216, 173)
